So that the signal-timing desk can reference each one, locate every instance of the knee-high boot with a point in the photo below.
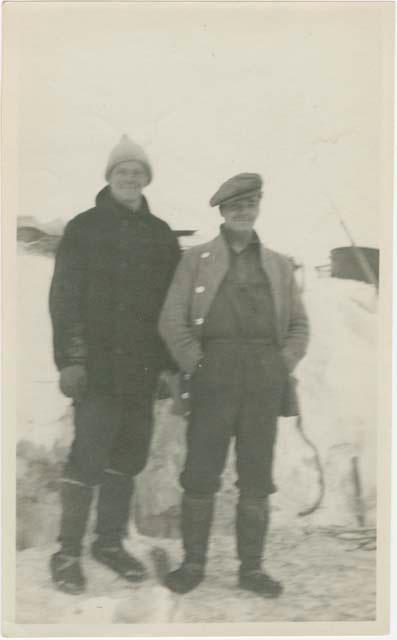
(112, 526)
(76, 499)
(196, 520)
(113, 510)
(252, 523)
(66, 572)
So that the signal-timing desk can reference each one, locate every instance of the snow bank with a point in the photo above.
(41, 406)
(338, 397)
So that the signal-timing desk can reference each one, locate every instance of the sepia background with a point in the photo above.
(296, 92)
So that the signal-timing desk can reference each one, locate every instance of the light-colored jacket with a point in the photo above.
(194, 287)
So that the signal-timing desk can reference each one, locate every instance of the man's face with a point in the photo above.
(240, 215)
(127, 181)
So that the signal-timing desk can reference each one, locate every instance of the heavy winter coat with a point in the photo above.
(112, 271)
(195, 284)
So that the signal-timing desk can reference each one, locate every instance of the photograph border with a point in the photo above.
(10, 142)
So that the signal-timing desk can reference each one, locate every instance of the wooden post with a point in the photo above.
(359, 504)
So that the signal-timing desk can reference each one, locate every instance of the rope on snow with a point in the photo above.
(321, 481)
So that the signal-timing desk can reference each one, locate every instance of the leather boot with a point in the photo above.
(65, 566)
(196, 521)
(252, 523)
(112, 526)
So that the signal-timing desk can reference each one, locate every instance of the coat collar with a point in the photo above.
(253, 239)
(218, 250)
(105, 202)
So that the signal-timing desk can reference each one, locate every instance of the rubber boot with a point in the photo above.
(252, 523)
(196, 520)
(65, 565)
(112, 526)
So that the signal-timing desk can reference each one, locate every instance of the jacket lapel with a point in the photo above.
(213, 266)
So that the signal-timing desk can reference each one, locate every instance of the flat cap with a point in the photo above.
(241, 185)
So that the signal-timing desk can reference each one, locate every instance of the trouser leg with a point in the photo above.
(209, 432)
(214, 405)
(128, 456)
(111, 433)
(264, 381)
(255, 440)
(95, 423)
(131, 444)
(97, 420)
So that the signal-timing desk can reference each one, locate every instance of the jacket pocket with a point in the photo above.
(179, 388)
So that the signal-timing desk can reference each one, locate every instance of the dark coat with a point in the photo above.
(112, 271)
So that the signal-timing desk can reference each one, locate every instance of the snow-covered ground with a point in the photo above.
(325, 579)
(338, 398)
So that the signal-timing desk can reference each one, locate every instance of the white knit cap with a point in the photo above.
(127, 150)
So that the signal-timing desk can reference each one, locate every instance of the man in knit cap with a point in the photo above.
(112, 270)
(234, 322)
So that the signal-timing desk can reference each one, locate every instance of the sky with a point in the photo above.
(295, 92)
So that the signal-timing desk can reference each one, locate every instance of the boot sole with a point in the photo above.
(133, 577)
(68, 588)
(262, 594)
(181, 590)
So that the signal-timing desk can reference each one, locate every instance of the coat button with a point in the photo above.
(200, 289)
(121, 306)
(205, 254)
(185, 395)
(119, 351)
(124, 264)
(199, 321)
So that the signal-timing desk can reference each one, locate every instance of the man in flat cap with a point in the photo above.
(113, 267)
(235, 323)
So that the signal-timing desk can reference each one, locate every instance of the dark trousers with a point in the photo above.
(236, 393)
(111, 432)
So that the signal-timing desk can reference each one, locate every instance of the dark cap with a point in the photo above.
(241, 185)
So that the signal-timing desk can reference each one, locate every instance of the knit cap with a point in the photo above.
(127, 150)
